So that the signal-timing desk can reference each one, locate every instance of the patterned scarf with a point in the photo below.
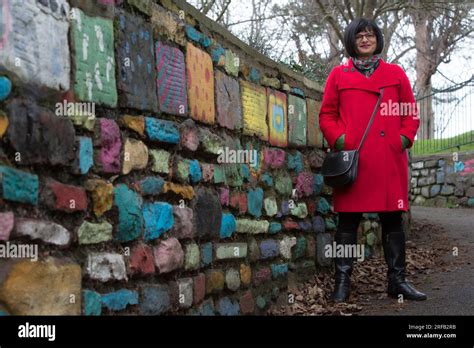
(368, 65)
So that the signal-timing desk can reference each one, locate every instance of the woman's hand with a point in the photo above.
(339, 145)
(405, 142)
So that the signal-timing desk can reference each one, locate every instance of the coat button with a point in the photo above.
(352, 69)
(382, 134)
(345, 69)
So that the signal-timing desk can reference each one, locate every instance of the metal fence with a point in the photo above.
(446, 120)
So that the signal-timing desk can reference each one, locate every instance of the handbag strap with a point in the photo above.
(371, 119)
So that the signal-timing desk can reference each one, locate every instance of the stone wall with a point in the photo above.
(113, 115)
(443, 180)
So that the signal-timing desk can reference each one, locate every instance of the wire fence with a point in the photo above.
(446, 120)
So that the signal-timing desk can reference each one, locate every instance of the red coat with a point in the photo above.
(348, 101)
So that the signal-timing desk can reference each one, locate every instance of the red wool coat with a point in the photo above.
(348, 101)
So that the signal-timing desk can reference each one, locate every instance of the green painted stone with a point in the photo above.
(219, 174)
(366, 226)
(300, 248)
(270, 205)
(182, 170)
(191, 256)
(300, 210)
(232, 63)
(160, 161)
(283, 184)
(90, 233)
(370, 238)
(330, 225)
(261, 303)
(252, 226)
(231, 251)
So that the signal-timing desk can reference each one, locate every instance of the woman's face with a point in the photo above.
(366, 43)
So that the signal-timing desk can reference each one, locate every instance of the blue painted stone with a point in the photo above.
(195, 173)
(441, 163)
(318, 183)
(275, 227)
(217, 52)
(254, 75)
(192, 33)
(458, 166)
(255, 202)
(267, 179)
(162, 130)
(205, 309)
(227, 306)
(285, 207)
(434, 190)
(297, 91)
(3, 313)
(5, 87)
(19, 186)
(205, 41)
(228, 225)
(129, 205)
(92, 303)
(449, 169)
(158, 218)
(246, 172)
(119, 300)
(323, 206)
(319, 226)
(86, 154)
(155, 300)
(440, 176)
(305, 225)
(206, 254)
(295, 162)
(151, 185)
(279, 270)
(269, 248)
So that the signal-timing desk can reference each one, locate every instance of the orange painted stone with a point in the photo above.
(200, 76)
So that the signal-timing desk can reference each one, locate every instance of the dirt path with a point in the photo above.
(449, 283)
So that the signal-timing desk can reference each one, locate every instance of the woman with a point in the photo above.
(350, 95)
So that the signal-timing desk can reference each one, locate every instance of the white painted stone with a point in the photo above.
(106, 266)
(185, 296)
(285, 246)
(36, 45)
(47, 231)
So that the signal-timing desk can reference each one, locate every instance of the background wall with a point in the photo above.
(126, 200)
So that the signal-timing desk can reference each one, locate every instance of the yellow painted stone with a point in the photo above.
(185, 191)
(135, 123)
(277, 118)
(245, 274)
(135, 155)
(3, 124)
(254, 109)
(49, 287)
(102, 193)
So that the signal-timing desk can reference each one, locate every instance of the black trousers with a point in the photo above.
(391, 222)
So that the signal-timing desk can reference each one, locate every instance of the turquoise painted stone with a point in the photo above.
(228, 225)
(158, 219)
(19, 186)
(92, 303)
(129, 205)
(119, 300)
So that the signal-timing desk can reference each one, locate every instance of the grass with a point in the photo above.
(440, 146)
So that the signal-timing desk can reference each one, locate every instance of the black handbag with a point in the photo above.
(339, 168)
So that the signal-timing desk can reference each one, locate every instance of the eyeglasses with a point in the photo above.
(369, 36)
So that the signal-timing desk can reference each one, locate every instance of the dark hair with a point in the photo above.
(355, 27)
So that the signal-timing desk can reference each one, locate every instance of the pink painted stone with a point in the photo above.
(289, 224)
(183, 226)
(199, 288)
(207, 172)
(261, 276)
(6, 225)
(274, 158)
(169, 255)
(304, 184)
(110, 145)
(224, 196)
(141, 260)
(189, 135)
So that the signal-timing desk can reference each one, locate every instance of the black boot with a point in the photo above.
(394, 250)
(343, 267)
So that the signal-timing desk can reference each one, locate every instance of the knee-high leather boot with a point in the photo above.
(394, 250)
(343, 267)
